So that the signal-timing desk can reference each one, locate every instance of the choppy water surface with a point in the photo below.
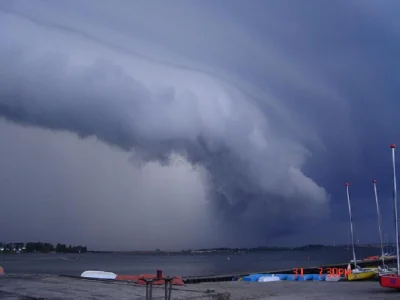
(174, 264)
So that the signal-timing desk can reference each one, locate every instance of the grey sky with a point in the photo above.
(190, 124)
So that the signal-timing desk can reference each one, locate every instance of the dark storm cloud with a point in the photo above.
(273, 100)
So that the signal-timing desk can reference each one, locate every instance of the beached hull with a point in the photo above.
(361, 275)
(268, 279)
(98, 275)
(390, 281)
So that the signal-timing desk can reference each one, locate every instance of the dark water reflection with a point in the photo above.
(175, 264)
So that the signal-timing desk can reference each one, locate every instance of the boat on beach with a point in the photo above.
(289, 277)
(96, 274)
(357, 273)
(383, 268)
(393, 280)
(386, 256)
(390, 281)
(361, 274)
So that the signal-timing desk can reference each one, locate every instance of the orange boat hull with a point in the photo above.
(177, 280)
(372, 258)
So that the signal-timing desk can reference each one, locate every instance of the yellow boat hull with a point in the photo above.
(361, 275)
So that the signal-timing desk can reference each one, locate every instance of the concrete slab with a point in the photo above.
(44, 287)
(59, 288)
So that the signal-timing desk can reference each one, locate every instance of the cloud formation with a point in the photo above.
(245, 102)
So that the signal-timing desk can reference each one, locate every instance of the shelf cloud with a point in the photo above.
(164, 125)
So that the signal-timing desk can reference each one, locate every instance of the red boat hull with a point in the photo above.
(390, 281)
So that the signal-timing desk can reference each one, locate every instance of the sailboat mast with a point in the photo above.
(351, 225)
(393, 146)
(379, 221)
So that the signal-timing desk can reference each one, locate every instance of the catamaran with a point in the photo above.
(357, 273)
(393, 280)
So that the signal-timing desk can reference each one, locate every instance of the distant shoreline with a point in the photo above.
(236, 250)
(61, 248)
(39, 247)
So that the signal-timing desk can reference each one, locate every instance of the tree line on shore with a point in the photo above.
(41, 247)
